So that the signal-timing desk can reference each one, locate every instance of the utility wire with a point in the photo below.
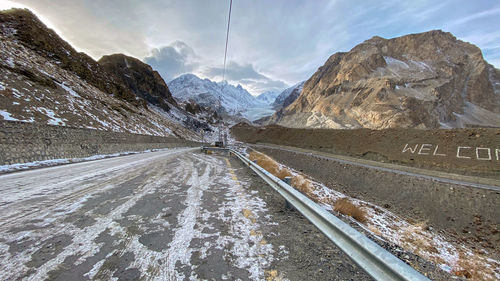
(227, 39)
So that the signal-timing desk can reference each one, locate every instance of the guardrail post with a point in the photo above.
(288, 206)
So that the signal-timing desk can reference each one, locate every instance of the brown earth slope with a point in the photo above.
(426, 80)
(44, 80)
(35, 36)
(463, 151)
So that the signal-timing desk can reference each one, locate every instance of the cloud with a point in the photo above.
(179, 58)
(246, 75)
(234, 71)
(483, 14)
(173, 60)
(493, 55)
(257, 87)
(282, 40)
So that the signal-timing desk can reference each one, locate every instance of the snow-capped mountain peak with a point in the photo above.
(235, 100)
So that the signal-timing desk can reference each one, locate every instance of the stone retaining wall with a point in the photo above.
(27, 142)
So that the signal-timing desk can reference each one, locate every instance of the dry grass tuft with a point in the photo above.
(475, 266)
(375, 230)
(268, 164)
(422, 242)
(304, 185)
(346, 207)
(283, 173)
(299, 182)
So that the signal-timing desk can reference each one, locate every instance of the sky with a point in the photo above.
(272, 44)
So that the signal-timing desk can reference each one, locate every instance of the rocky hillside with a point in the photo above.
(426, 80)
(145, 82)
(43, 79)
(31, 33)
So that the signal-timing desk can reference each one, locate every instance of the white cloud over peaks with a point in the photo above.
(269, 41)
(179, 58)
(173, 60)
(246, 75)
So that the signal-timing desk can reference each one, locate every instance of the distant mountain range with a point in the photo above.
(426, 80)
(235, 100)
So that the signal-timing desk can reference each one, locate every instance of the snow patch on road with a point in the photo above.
(247, 243)
(7, 116)
(179, 250)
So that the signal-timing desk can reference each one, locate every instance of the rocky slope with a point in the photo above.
(426, 80)
(30, 32)
(43, 79)
(145, 82)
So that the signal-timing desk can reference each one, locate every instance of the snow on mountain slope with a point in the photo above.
(288, 96)
(235, 100)
(268, 97)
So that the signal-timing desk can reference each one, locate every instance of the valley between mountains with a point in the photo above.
(398, 137)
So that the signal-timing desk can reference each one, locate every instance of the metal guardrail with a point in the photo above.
(214, 148)
(373, 259)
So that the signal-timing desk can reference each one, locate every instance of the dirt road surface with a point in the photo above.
(169, 215)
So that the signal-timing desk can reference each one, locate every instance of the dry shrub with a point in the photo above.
(375, 230)
(283, 173)
(268, 164)
(463, 273)
(299, 182)
(346, 207)
(303, 185)
(272, 275)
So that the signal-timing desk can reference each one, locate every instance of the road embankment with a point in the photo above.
(467, 212)
(473, 152)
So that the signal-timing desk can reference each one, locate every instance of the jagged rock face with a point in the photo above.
(234, 100)
(288, 96)
(34, 35)
(140, 78)
(427, 80)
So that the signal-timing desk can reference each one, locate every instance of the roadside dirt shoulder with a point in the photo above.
(468, 214)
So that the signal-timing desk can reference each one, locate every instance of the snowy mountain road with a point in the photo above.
(169, 215)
